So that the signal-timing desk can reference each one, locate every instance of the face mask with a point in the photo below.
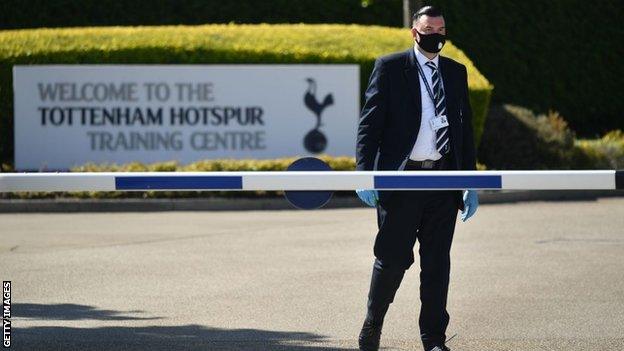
(431, 42)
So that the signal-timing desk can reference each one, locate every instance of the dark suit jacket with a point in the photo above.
(390, 119)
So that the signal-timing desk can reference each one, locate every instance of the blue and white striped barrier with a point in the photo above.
(313, 180)
(309, 182)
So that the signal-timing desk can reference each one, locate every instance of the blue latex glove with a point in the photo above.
(370, 197)
(471, 202)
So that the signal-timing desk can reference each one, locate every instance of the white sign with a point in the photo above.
(68, 115)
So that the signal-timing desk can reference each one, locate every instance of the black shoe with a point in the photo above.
(369, 336)
(439, 348)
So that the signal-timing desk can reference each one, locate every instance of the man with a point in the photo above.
(417, 116)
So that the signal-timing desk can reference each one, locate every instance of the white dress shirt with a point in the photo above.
(425, 146)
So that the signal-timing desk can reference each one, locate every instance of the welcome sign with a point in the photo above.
(67, 115)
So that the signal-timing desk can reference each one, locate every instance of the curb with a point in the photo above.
(255, 204)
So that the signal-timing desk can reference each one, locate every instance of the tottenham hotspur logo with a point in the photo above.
(315, 141)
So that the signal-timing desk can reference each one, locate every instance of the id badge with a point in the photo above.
(438, 122)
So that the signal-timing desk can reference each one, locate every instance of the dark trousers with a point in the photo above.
(427, 216)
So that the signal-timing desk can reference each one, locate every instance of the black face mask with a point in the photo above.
(431, 42)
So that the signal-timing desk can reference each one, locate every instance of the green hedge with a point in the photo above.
(563, 55)
(540, 54)
(73, 13)
(299, 43)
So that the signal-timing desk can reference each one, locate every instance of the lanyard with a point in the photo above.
(429, 91)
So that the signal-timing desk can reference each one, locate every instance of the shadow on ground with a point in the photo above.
(70, 312)
(183, 337)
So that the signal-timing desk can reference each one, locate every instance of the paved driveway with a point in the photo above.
(525, 276)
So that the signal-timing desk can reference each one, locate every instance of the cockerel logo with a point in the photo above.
(315, 141)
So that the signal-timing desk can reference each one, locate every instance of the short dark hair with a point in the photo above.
(431, 11)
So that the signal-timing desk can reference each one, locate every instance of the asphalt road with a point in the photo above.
(524, 276)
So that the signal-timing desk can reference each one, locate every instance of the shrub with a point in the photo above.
(515, 138)
(604, 153)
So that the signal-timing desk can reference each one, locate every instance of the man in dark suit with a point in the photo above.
(417, 116)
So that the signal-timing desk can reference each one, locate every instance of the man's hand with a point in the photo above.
(370, 197)
(471, 202)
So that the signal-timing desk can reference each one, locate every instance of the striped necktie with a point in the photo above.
(442, 135)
